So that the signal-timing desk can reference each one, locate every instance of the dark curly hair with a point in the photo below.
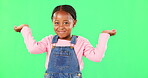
(66, 8)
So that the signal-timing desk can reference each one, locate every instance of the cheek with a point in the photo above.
(55, 28)
(69, 29)
(71, 25)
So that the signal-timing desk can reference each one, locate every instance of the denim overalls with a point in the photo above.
(63, 62)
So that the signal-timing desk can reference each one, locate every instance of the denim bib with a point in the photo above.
(63, 62)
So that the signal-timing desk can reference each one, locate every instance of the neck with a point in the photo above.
(67, 37)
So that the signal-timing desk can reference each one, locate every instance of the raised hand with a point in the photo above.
(19, 28)
(111, 32)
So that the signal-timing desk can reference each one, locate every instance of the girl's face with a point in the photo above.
(63, 24)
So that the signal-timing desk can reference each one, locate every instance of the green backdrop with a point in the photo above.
(125, 57)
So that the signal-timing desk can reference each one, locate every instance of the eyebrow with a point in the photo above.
(63, 20)
(55, 20)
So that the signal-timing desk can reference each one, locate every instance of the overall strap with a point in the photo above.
(73, 39)
(55, 39)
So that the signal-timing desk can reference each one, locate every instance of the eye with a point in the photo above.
(56, 23)
(65, 22)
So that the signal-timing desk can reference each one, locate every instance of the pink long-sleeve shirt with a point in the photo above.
(82, 46)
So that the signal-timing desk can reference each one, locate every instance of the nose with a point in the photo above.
(61, 27)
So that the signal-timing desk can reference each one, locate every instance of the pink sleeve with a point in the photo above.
(96, 54)
(31, 44)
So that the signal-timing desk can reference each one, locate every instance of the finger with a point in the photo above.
(114, 30)
(15, 26)
(23, 25)
(114, 33)
(19, 27)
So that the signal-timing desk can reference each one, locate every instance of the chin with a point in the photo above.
(62, 36)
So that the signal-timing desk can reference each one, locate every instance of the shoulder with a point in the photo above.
(82, 42)
(82, 39)
(48, 38)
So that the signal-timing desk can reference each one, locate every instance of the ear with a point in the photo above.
(74, 23)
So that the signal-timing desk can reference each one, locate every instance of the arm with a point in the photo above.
(31, 44)
(96, 54)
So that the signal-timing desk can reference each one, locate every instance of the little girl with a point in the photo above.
(64, 50)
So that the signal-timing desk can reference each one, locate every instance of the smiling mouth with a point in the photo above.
(61, 31)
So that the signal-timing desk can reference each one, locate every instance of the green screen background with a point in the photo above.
(125, 57)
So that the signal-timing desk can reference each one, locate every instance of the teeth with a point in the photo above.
(61, 31)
